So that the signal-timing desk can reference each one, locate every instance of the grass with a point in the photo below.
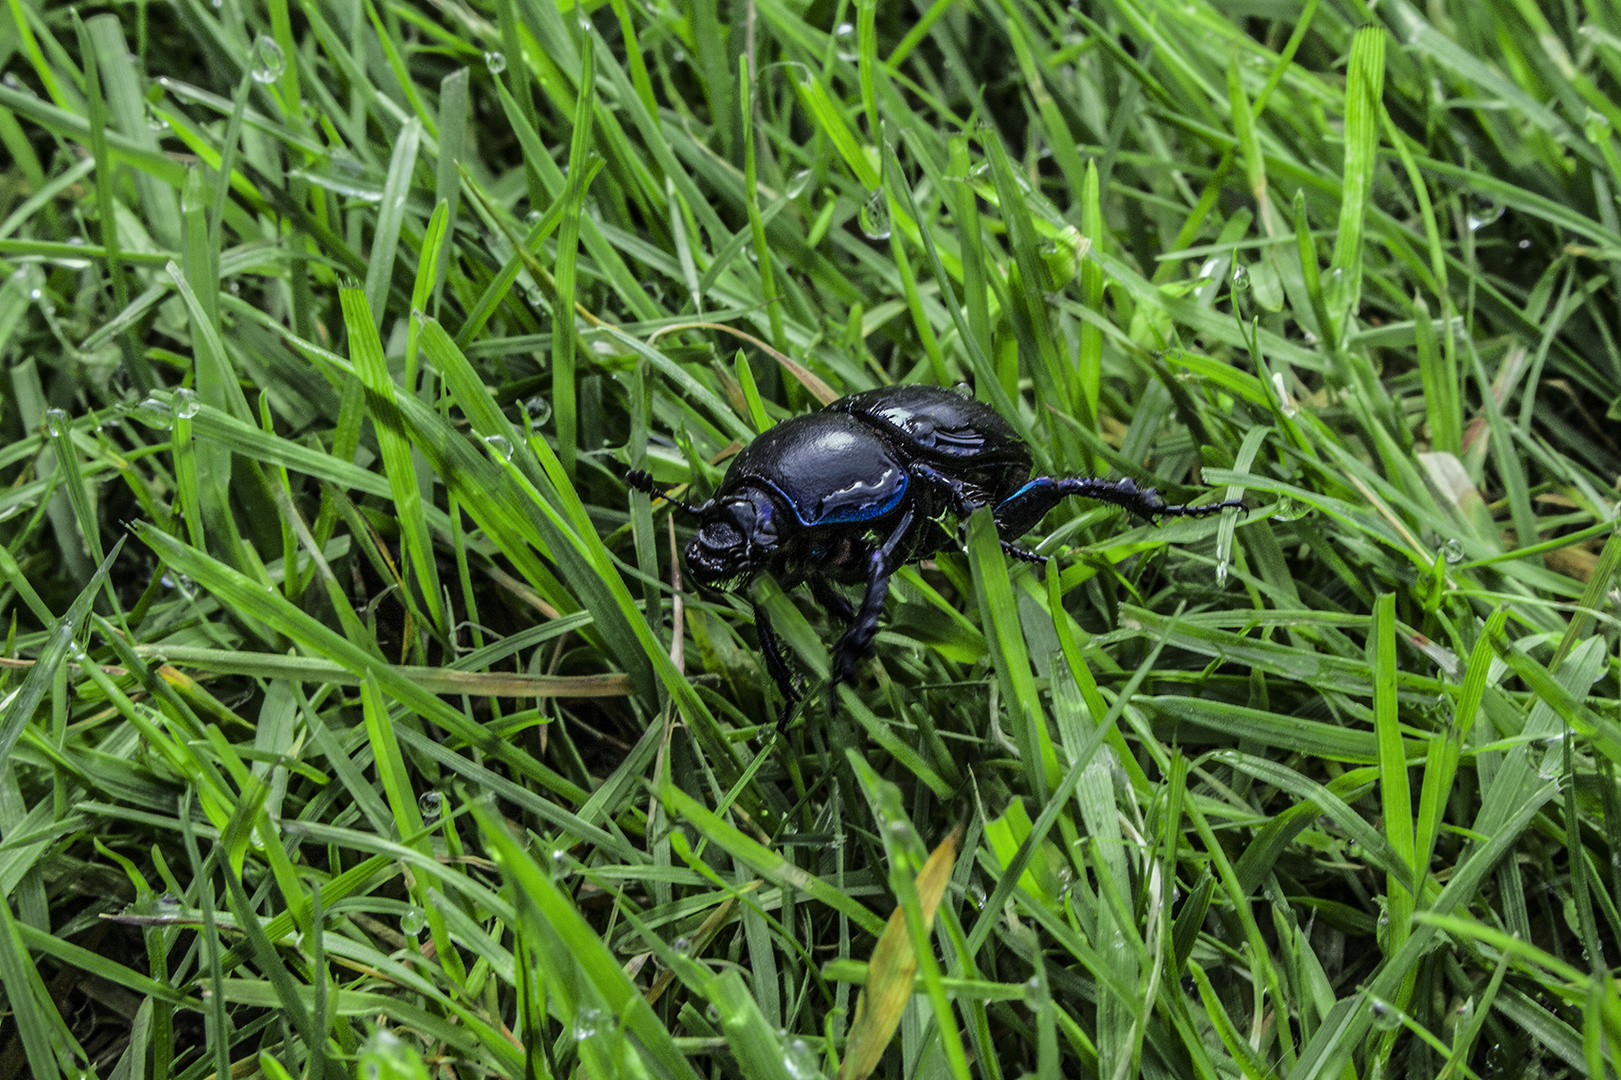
(354, 720)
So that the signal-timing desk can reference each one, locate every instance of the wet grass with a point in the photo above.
(352, 713)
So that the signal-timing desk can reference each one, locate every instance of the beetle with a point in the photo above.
(849, 494)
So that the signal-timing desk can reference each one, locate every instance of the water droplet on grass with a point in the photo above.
(800, 1061)
(501, 445)
(496, 61)
(874, 216)
(269, 62)
(798, 183)
(1482, 212)
(186, 403)
(413, 922)
(431, 805)
(1452, 550)
(844, 41)
(588, 1023)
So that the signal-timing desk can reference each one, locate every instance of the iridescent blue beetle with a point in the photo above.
(849, 494)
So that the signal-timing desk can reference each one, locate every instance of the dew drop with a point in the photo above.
(1384, 1017)
(1452, 550)
(800, 1060)
(539, 410)
(56, 421)
(588, 1023)
(186, 403)
(681, 945)
(495, 61)
(874, 216)
(413, 922)
(1241, 278)
(1482, 212)
(501, 445)
(431, 805)
(844, 40)
(798, 183)
(269, 62)
(1034, 998)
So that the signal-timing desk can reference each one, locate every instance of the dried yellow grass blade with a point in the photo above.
(892, 968)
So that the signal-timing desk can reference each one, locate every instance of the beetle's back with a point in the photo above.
(828, 467)
(965, 438)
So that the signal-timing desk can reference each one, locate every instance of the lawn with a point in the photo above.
(357, 719)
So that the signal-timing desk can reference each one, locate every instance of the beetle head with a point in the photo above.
(735, 538)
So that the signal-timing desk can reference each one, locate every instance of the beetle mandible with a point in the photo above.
(853, 492)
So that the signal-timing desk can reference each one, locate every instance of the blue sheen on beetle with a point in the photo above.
(849, 494)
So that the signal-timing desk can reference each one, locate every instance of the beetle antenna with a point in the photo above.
(644, 482)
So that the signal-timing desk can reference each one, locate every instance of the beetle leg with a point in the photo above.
(1019, 512)
(644, 482)
(834, 603)
(857, 640)
(962, 498)
(1015, 552)
(775, 662)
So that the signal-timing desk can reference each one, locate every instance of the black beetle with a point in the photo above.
(851, 493)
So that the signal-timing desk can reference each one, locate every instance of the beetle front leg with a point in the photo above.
(775, 662)
(1021, 511)
(857, 640)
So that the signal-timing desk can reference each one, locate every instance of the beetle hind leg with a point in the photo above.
(1014, 551)
(1019, 512)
